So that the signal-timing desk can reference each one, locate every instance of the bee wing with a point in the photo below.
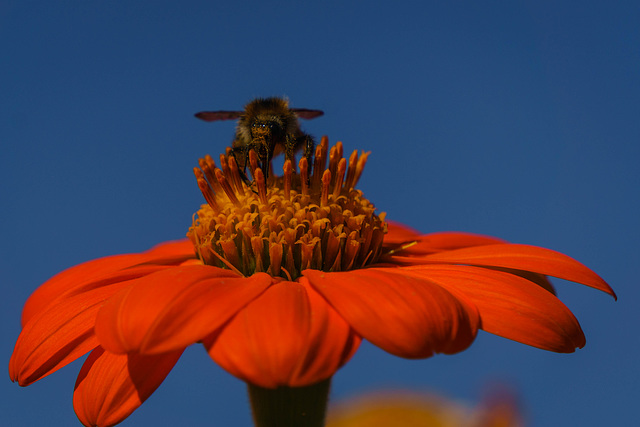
(305, 113)
(212, 116)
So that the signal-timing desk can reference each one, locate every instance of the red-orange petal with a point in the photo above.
(181, 247)
(399, 233)
(444, 241)
(510, 306)
(322, 360)
(404, 315)
(111, 386)
(519, 257)
(81, 275)
(288, 336)
(174, 308)
(59, 334)
(539, 279)
(71, 278)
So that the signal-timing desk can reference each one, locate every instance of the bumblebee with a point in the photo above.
(269, 127)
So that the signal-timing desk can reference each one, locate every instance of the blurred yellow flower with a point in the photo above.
(413, 409)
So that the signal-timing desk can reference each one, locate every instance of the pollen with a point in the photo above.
(310, 218)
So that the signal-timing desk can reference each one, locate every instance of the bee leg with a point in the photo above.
(265, 161)
(309, 147)
(266, 166)
(302, 141)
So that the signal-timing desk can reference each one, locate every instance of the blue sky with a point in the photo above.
(513, 119)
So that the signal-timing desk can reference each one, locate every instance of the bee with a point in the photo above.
(269, 127)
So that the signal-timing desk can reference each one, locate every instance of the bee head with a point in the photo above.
(269, 127)
(268, 118)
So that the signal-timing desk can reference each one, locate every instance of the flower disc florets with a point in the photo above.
(288, 223)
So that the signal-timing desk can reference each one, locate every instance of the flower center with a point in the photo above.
(288, 223)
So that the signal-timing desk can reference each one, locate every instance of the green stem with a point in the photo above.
(290, 406)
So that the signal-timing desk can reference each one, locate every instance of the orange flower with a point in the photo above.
(287, 276)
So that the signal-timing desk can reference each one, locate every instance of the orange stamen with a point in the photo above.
(304, 175)
(361, 162)
(205, 188)
(326, 182)
(235, 178)
(342, 167)
(288, 223)
(227, 188)
(262, 187)
(319, 162)
(253, 162)
(288, 173)
(351, 173)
